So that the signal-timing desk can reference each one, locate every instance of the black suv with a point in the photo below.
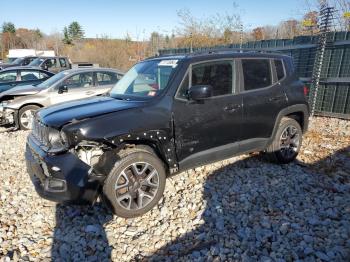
(166, 115)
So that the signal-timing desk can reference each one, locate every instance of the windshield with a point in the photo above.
(17, 61)
(145, 80)
(52, 80)
(36, 62)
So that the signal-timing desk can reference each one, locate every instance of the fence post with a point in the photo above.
(325, 23)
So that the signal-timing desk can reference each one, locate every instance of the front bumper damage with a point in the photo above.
(7, 116)
(60, 177)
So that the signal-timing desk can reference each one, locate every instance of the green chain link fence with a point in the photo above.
(333, 97)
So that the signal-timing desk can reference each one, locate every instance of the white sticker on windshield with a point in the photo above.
(172, 63)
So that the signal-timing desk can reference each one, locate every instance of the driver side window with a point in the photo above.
(50, 63)
(82, 80)
(219, 75)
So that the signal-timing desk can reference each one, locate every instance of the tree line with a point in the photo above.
(219, 29)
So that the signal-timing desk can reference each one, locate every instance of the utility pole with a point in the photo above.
(191, 39)
(326, 18)
(241, 37)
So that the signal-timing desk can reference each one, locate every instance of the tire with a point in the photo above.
(137, 192)
(287, 142)
(25, 111)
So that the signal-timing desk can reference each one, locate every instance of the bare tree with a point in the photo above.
(214, 30)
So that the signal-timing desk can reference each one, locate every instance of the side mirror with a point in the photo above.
(62, 89)
(200, 92)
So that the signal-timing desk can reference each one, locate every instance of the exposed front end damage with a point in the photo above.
(60, 177)
(75, 169)
(7, 115)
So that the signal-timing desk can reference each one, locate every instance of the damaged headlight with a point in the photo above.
(57, 140)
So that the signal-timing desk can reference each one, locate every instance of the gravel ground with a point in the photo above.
(241, 209)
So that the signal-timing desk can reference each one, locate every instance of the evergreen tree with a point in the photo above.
(66, 37)
(75, 31)
(8, 27)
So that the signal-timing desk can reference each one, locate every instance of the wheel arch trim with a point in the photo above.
(298, 108)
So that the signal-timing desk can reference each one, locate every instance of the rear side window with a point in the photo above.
(9, 76)
(29, 75)
(256, 73)
(105, 78)
(63, 62)
(279, 69)
(216, 74)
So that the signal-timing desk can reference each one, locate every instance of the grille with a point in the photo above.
(40, 132)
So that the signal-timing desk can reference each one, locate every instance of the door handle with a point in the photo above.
(231, 108)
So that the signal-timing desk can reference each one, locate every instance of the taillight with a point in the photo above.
(306, 90)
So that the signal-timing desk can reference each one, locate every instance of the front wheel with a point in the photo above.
(135, 184)
(287, 142)
(25, 117)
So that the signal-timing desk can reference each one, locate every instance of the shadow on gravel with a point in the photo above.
(253, 214)
(79, 234)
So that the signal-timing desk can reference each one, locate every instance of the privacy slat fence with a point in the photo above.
(333, 97)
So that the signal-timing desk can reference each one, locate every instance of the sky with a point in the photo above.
(139, 18)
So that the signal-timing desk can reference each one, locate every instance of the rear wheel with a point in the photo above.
(287, 142)
(25, 117)
(135, 184)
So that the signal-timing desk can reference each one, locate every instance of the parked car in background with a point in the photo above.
(21, 61)
(53, 64)
(166, 115)
(19, 104)
(20, 76)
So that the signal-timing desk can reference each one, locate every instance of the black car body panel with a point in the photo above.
(183, 133)
(61, 114)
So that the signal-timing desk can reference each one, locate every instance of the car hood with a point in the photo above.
(61, 114)
(21, 91)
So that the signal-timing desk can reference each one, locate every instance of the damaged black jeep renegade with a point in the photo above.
(166, 115)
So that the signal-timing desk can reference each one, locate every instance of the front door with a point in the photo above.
(208, 129)
(78, 86)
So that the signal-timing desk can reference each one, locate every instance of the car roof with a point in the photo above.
(24, 68)
(93, 69)
(219, 54)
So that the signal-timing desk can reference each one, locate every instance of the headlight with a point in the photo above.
(57, 141)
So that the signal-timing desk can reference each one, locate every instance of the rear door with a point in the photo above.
(8, 80)
(80, 85)
(263, 97)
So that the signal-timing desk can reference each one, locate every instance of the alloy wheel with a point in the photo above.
(137, 186)
(289, 141)
(26, 118)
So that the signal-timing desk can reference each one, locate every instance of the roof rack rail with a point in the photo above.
(215, 50)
